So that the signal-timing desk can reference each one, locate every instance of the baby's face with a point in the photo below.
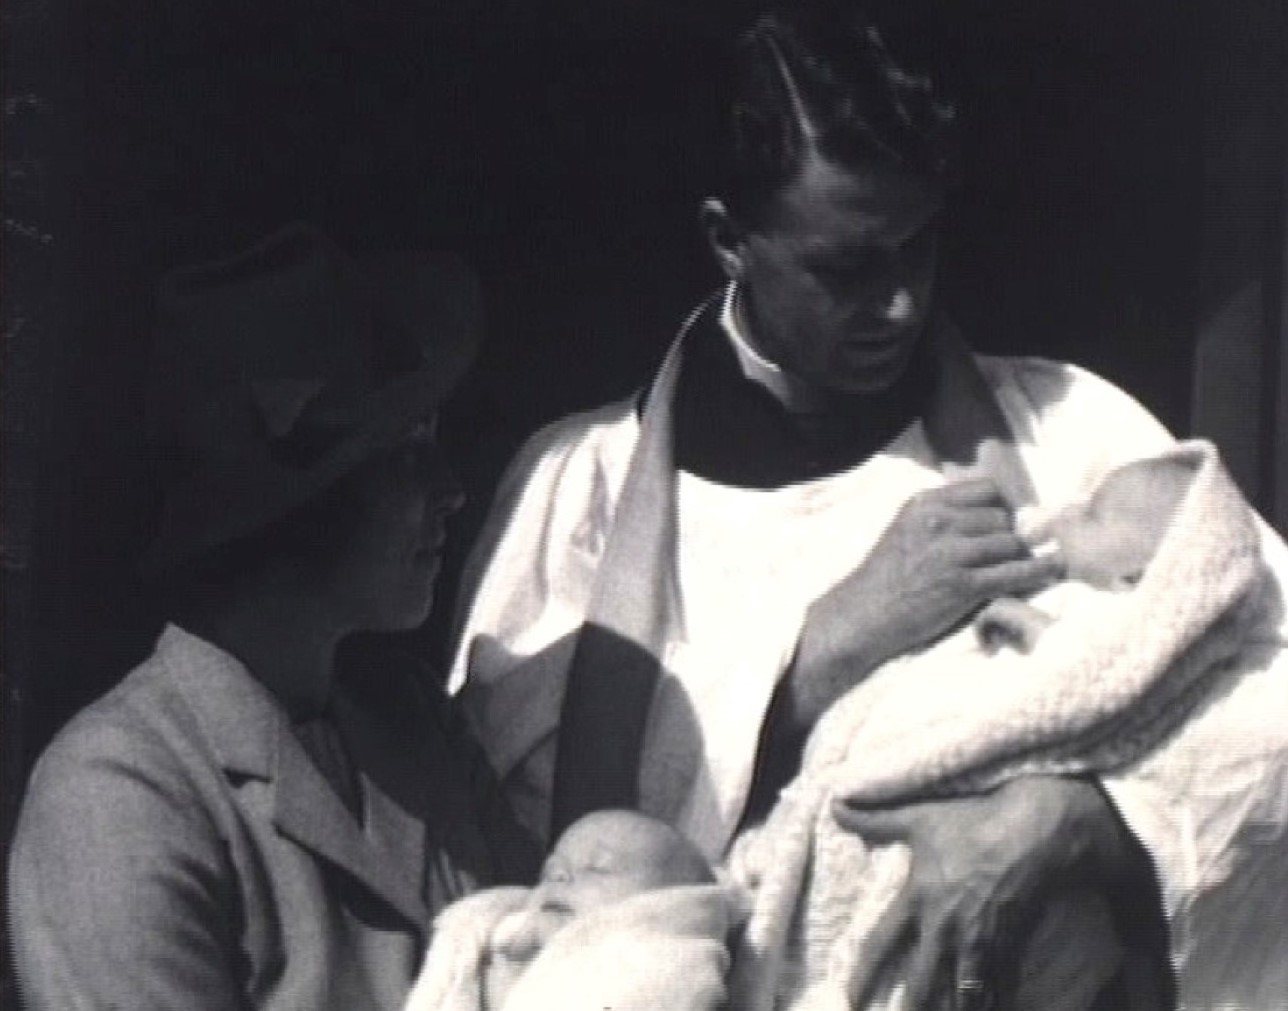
(601, 859)
(1108, 540)
(612, 855)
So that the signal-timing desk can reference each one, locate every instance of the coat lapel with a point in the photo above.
(386, 853)
(250, 735)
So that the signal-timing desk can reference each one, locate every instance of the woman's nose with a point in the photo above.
(450, 495)
(445, 488)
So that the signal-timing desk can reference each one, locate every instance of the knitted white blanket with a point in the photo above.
(1096, 693)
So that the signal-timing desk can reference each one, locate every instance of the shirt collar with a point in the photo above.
(795, 395)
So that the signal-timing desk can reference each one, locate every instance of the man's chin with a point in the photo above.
(870, 380)
(867, 369)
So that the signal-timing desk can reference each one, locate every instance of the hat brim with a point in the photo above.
(221, 505)
(428, 302)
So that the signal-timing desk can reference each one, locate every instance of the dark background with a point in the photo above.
(1122, 181)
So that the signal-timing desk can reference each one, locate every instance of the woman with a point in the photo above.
(236, 825)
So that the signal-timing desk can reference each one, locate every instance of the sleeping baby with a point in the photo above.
(483, 944)
(602, 858)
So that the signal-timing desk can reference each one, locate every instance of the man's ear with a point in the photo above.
(725, 236)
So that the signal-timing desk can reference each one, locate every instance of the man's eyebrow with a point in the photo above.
(821, 246)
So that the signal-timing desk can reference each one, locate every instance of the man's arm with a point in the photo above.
(117, 888)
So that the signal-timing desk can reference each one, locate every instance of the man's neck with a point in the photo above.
(802, 399)
(732, 429)
(795, 394)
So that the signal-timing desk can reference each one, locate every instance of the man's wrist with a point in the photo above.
(826, 663)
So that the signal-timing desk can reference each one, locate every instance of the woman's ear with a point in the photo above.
(725, 236)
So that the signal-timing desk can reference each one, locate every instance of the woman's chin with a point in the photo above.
(405, 614)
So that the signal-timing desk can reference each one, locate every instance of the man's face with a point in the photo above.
(836, 281)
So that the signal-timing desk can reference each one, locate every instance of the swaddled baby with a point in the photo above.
(484, 943)
(1089, 680)
(599, 860)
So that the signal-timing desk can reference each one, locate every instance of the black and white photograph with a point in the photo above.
(644, 505)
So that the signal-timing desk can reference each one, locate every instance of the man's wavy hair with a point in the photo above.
(817, 77)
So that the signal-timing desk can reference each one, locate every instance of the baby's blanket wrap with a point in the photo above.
(1094, 695)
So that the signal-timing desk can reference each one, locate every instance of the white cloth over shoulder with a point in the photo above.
(1211, 806)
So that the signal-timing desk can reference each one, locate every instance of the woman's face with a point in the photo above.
(386, 572)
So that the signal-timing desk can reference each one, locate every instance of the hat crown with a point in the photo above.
(278, 370)
(247, 344)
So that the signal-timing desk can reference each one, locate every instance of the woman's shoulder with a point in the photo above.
(125, 754)
(128, 721)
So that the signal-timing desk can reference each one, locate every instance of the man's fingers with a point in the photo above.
(1018, 578)
(971, 491)
(886, 942)
(989, 519)
(971, 987)
(992, 549)
(929, 976)
(876, 826)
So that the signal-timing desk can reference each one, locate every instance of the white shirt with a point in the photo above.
(1211, 806)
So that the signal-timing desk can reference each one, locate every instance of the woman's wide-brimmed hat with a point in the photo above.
(279, 370)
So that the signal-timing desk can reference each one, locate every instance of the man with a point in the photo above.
(681, 587)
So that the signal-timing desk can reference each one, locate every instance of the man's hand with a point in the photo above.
(662, 949)
(947, 552)
(982, 867)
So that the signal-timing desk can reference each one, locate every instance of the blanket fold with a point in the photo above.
(453, 976)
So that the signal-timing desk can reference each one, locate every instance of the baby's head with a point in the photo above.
(612, 855)
(1108, 539)
(600, 859)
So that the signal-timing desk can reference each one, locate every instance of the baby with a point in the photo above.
(603, 858)
(1090, 692)
(1105, 542)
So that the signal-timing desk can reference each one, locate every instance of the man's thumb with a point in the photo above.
(874, 825)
